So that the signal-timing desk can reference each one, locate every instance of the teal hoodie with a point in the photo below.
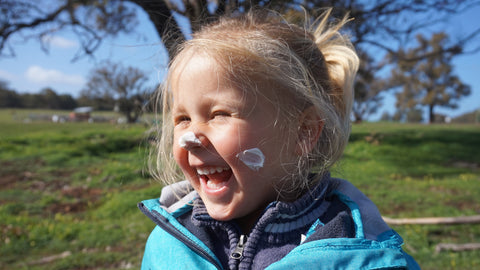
(375, 245)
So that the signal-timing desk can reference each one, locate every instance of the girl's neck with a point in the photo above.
(247, 223)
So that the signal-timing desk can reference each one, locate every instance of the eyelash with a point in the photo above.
(219, 113)
(183, 118)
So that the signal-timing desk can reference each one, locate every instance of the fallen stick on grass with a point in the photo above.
(433, 220)
(456, 247)
(52, 258)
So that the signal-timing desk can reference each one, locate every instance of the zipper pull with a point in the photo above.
(237, 254)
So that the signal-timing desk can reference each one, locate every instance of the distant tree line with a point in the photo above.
(48, 98)
(110, 86)
(416, 116)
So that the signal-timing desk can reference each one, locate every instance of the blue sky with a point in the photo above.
(32, 69)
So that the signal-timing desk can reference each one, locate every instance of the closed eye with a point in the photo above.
(220, 114)
(181, 119)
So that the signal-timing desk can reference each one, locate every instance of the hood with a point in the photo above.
(371, 219)
(175, 196)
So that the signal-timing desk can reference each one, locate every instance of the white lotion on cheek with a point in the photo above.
(253, 158)
(189, 139)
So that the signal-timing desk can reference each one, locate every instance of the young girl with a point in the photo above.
(256, 111)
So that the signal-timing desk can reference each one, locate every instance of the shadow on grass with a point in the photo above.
(437, 151)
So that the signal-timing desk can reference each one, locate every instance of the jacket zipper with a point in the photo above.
(163, 222)
(237, 253)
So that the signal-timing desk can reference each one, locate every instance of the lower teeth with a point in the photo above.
(213, 185)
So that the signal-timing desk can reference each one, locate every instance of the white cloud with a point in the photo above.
(38, 74)
(5, 75)
(60, 42)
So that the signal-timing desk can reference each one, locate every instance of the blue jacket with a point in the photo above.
(375, 245)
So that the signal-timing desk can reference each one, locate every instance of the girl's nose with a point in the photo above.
(190, 141)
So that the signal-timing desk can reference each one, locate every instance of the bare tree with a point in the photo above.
(124, 84)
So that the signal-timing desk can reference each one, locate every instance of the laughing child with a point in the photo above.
(255, 113)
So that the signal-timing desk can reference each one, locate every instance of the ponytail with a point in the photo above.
(341, 60)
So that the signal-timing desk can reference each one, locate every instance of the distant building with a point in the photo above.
(441, 118)
(81, 114)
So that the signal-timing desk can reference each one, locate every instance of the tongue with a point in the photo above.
(218, 178)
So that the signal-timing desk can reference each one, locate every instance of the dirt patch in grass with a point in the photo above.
(81, 199)
(65, 208)
(70, 199)
(7, 181)
(14, 173)
(465, 206)
(27, 175)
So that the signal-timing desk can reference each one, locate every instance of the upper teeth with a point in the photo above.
(205, 171)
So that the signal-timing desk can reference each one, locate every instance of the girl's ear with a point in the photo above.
(310, 127)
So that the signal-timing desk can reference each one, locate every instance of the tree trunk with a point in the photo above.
(358, 118)
(431, 116)
(165, 24)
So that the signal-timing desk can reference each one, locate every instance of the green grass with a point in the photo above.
(73, 187)
(421, 171)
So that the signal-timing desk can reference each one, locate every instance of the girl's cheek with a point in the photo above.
(181, 156)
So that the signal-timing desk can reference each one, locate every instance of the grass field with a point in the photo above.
(68, 192)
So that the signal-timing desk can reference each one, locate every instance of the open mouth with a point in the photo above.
(214, 178)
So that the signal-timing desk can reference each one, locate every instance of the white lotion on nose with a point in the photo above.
(189, 139)
(253, 158)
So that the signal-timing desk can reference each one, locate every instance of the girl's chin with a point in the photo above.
(218, 212)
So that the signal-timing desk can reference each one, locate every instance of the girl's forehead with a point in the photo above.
(189, 63)
(251, 87)
(202, 74)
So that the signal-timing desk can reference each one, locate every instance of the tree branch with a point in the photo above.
(8, 29)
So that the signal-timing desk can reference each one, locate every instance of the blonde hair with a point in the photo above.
(304, 68)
